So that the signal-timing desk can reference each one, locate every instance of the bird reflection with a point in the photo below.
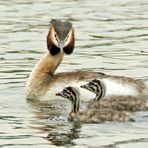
(63, 137)
(50, 121)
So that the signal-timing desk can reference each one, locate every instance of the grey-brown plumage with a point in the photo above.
(61, 41)
(92, 114)
(121, 103)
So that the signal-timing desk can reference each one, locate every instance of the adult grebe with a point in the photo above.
(43, 82)
(91, 115)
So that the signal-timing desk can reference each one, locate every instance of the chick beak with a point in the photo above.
(84, 86)
(58, 94)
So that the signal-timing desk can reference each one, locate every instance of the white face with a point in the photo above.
(56, 40)
(65, 93)
(68, 38)
(91, 86)
(54, 37)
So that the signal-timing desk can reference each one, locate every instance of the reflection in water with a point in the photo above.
(49, 109)
(60, 137)
(111, 37)
(141, 140)
(51, 114)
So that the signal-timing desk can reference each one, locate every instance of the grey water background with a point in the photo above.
(111, 37)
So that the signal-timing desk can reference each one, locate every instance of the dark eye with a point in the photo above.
(91, 83)
(64, 91)
(56, 36)
(94, 80)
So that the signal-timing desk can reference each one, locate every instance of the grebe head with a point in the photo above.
(95, 86)
(73, 95)
(60, 37)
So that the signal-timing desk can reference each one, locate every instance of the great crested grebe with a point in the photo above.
(117, 102)
(43, 82)
(92, 115)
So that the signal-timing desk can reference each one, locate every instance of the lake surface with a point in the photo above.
(111, 37)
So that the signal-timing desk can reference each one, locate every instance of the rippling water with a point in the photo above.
(111, 35)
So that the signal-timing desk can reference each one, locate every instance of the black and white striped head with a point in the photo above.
(73, 95)
(69, 93)
(95, 86)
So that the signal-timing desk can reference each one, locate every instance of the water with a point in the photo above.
(111, 36)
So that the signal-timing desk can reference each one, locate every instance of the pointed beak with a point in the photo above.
(84, 86)
(58, 94)
(61, 45)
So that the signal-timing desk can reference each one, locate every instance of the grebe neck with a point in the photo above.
(100, 91)
(40, 77)
(75, 103)
(48, 63)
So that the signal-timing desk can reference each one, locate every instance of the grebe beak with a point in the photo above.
(84, 86)
(61, 45)
(58, 94)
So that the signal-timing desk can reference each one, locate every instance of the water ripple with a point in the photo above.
(110, 35)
